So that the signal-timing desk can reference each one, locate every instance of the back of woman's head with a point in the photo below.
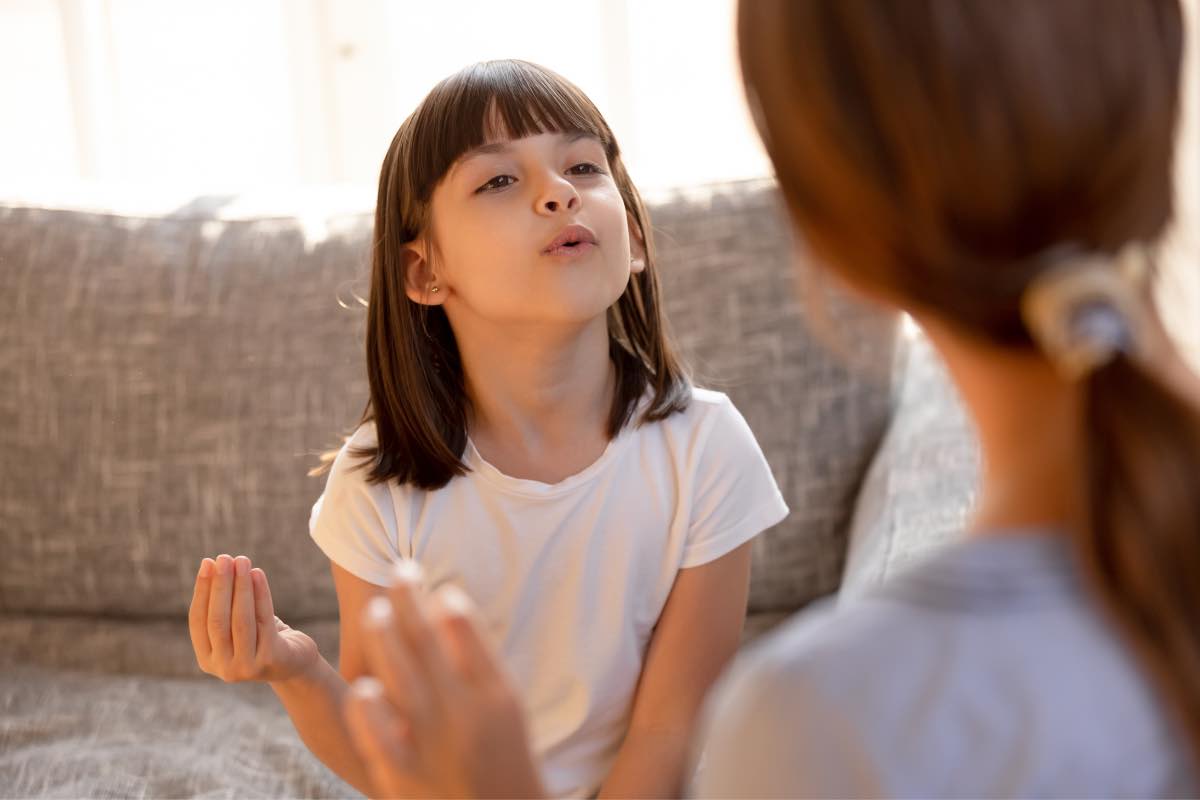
(418, 401)
(936, 153)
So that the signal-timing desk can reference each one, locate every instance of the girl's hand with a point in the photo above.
(235, 632)
(440, 719)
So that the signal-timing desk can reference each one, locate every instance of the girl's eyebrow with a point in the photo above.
(505, 146)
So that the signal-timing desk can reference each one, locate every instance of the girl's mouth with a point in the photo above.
(573, 239)
(571, 249)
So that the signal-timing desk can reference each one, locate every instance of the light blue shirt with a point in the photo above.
(985, 671)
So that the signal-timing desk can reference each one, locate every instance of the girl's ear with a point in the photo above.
(420, 284)
(637, 246)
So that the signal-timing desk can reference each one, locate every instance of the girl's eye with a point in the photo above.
(585, 168)
(498, 182)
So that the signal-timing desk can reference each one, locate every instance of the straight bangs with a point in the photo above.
(495, 101)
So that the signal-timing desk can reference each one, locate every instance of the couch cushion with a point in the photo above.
(168, 381)
(809, 368)
(922, 482)
(150, 647)
(170, 378)
(160, 648)
(67, 734)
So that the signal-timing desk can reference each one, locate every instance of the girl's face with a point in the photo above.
(501, 216)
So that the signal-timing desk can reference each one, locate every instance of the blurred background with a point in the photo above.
(225, 94)
(107, 99)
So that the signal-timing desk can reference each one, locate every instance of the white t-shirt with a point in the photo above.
(570, 577)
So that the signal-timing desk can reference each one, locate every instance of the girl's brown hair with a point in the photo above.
(417, 397)
(931, 150)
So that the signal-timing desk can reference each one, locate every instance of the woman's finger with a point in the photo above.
(220, 599)
(389, 659)
(245, 637)
(411, 609)
(198, 612)
(462, 628)
(377, 732)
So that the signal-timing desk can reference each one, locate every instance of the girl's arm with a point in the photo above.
(237, 637)
(696, 636)
(314, 700)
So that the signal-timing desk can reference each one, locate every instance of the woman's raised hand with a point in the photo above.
(439, 718)
(234, 630)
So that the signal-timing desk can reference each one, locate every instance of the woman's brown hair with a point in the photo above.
(932, 150)
(417, 398)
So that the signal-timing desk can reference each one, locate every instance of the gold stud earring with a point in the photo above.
(434, 290)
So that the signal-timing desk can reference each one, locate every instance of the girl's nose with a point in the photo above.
(558, 195)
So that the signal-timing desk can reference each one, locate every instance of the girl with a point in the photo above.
(531, 439)
(1002, 171)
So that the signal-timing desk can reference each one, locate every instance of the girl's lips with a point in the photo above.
(571, 251)
(572, 234)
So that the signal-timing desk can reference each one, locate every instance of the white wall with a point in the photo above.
(227, 94)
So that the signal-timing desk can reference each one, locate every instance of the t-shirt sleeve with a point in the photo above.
(735, 496)
(354, 522)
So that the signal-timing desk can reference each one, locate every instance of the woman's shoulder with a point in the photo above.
(770, 723)
(822, 647)
(928, 659)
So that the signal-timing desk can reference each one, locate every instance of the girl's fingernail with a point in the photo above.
(205, 568)
(223, 565)
(243, 567)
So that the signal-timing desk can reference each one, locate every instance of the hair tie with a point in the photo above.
(1085, 307)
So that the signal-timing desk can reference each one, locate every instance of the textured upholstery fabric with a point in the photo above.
(923, 479)
(69, 734)
(169, 380)
(811, 378)
(155, 648)
(146, 647)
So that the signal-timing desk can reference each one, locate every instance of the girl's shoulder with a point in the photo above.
(709, 397)
(351, 456)
(704, 407)
(351, 465)
(712, 420)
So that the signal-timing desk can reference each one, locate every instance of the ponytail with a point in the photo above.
(1141, 537)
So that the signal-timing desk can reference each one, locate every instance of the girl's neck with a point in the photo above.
(1029, 423)
(536, 393)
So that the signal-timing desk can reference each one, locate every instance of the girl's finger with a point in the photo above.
(390, 661)
(245, 637)
(220, 599)
(377, 733)
(198, 611)
(264, 608)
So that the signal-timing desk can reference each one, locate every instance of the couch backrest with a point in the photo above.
(166, 381)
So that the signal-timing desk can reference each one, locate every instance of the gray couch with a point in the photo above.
(168, 374)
